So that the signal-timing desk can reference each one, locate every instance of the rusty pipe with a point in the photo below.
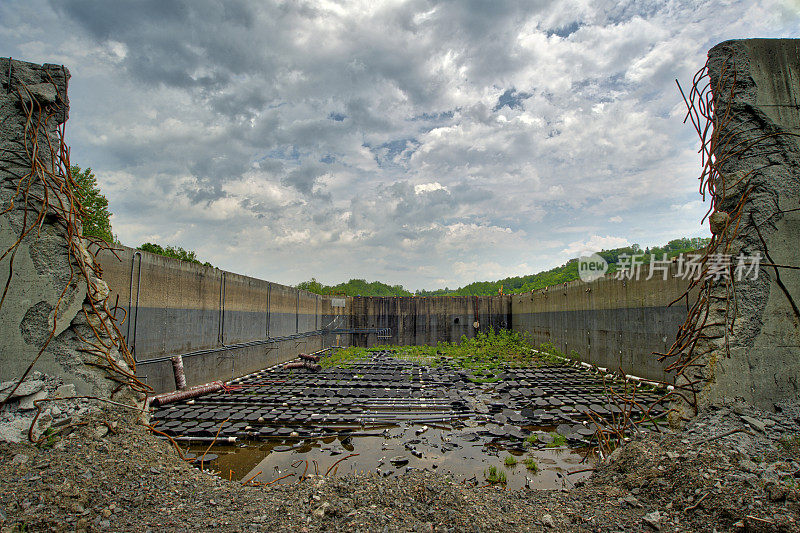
(180, 375)
(185, 394)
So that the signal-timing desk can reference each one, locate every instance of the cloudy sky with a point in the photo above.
(418, 142)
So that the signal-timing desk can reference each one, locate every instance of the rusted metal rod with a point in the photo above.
(177, 396)
(339, 461)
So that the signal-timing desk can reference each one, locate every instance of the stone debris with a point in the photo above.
(130, 481)
(26, 388)
(653, 520)
(755, 424)
(17, 415)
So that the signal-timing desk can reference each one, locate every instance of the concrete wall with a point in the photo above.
(186, 308)
(417, 321)
(53, 330)
(33, 304)
(174, 307)
(608, 322)
(190, 309)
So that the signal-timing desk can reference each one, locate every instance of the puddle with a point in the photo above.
(281, 418)
(465, 453)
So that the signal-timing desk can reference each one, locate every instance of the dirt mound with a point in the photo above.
(732, 469)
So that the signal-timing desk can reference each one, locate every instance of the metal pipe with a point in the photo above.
(235, 346)
(603, 370)
(308, 365)
(180, 375)
(184, 438)
(269, 298)
(132, 345)
(221, 322)
(260, 342)
(185, 394)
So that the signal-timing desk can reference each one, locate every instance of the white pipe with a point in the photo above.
(590, 366)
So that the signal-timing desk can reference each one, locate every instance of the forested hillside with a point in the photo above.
(354, 287)
(512, 285)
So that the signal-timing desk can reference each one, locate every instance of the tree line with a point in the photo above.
(354, 287)
(511, 285)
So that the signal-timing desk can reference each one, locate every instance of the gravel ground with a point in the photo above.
(113, 475)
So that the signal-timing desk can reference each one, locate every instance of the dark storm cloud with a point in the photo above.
(203, 191)
(566, 30)
(169, 41)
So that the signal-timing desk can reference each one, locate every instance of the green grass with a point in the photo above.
(558, 440)
(531, 464)
(495, 475)
(549, 353)
(485, 355)
(49, 441)
(510, 461)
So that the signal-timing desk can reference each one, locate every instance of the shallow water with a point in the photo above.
(465, 453)
(296, 422)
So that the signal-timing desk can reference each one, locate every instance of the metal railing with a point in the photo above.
(271, 340)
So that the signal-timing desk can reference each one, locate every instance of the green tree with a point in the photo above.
(354, 287)
(175, 252)
(314, 286)
(95, 216)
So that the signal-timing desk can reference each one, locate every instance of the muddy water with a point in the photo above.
(465, 453)
(327, 415)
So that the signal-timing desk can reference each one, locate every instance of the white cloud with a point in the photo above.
(429, 187)
(595, 243)
(388, 140)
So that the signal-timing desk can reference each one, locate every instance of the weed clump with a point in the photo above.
(531, 464)
(485, 355)
(791, 444)
(494, 475)
(558, 440)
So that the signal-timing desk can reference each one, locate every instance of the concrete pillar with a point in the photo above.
(756, 87)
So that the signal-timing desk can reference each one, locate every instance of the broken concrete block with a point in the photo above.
(653, 520)
(27, 402)
(15, 430)
(65, 391)
(44, 93)
(755, 423)
(26, 388)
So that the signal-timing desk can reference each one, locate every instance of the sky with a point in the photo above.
(425, 143)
